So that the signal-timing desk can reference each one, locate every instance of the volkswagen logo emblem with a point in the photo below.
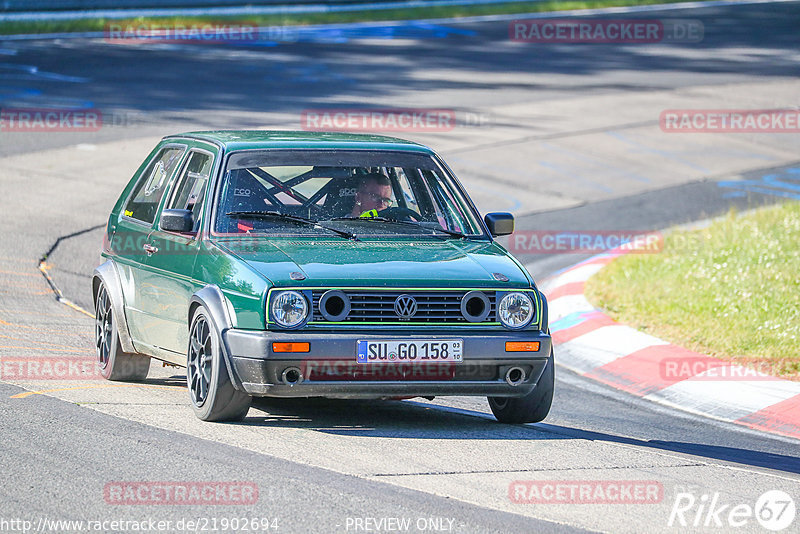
(405, 306)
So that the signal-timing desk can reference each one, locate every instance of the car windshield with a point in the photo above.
(309, 192)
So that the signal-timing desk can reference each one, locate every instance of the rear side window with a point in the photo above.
(146, 196)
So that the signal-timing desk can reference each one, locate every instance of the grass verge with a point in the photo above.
(100, 24)
(731, 290)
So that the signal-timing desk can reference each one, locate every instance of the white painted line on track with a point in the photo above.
(660, 406)
(567, 305)
(605, 345)
(728, 399)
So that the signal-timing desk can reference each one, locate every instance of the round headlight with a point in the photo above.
(515, 310)
(289, 308)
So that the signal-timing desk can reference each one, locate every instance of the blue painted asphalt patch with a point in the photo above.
(272, 36)
(772, 192)
(412, 30)
(573, 319)
(780, 185)
(17, 93)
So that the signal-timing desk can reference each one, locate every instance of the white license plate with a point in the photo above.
(410, 350)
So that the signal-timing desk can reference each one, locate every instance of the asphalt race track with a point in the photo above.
(566, 136)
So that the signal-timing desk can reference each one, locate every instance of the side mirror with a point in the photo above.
(499, 223)
(181, 221)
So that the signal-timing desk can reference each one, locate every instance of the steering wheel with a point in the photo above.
(401, 214)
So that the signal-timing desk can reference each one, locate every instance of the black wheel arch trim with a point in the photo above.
(544, 325)
(213, 300)
(107, 275)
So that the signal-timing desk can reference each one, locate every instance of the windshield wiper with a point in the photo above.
(448, 232)
(397, 221)
(291, 218)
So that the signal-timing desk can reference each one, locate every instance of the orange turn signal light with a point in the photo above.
(522, 346)
(291, 347)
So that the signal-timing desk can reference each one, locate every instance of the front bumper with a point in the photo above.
(329, 369)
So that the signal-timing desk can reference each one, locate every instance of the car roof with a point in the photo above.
(235, 140)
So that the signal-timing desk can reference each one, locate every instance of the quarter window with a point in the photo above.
(143, 203)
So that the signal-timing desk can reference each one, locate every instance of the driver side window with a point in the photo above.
(191, 186)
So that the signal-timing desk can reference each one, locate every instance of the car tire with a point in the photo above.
(531, 408)
(114, 363)
(211, 392)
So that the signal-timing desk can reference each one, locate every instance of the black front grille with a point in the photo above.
(378, 306)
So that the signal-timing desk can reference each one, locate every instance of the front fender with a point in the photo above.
(107, 275)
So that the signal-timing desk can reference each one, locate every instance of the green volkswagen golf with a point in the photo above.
(296, 264)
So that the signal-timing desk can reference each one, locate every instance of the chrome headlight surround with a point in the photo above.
(289, 309)
(516, 310)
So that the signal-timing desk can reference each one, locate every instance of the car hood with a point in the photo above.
(344, 263)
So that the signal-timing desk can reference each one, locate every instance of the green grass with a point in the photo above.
(99, 24)
(731, 290)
